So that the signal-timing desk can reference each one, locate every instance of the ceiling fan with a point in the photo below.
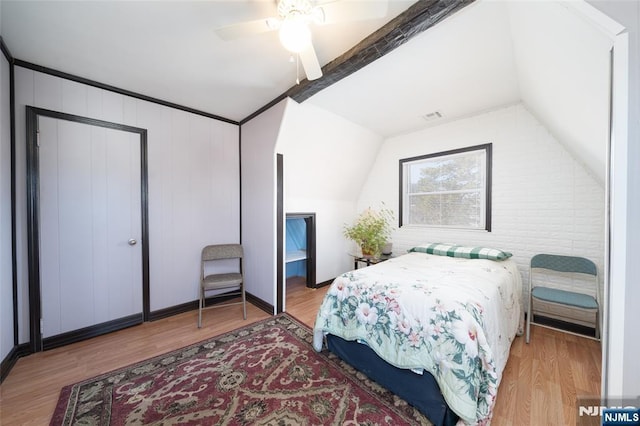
(292, 19)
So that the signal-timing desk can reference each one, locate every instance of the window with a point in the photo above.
(449, 189)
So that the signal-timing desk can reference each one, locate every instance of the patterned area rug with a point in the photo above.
(266, 373)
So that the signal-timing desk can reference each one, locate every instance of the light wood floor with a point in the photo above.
(539, 385)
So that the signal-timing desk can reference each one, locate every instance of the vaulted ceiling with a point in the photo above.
(548, 55)
(545, 54)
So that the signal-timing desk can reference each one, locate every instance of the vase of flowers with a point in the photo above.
(371, 231)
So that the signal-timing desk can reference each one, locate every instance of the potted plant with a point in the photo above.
(371, 231)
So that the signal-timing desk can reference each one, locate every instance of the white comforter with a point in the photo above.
(453, 317)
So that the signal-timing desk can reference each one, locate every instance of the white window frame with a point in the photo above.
(484, 150)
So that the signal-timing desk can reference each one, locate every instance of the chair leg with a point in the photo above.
(244, 302)
(529, 315)
(200, 308)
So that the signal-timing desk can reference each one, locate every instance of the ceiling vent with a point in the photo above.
(432, 116)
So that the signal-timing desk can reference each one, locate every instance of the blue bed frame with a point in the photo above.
(421, 391)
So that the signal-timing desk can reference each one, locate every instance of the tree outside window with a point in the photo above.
(447, 189)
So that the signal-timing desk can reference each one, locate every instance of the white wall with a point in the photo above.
(543, 200)
(623, 342)
(326, 161)
(569, 93)
(6, 265)
(257, 146)
(193, 170)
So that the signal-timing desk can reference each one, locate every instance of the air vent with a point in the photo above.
(436, 115)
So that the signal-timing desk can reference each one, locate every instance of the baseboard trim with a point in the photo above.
(267, 307)
(91, 331)
(325, 283)
(173, 310)
(24, 349)
(9, 361)
(193, 305)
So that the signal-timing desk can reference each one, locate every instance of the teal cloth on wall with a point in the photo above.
(296, 239)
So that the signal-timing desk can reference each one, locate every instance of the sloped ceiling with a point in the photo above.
(488, 55)
(562, 63)
(458, 68)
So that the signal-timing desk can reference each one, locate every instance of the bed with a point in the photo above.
(434, 326)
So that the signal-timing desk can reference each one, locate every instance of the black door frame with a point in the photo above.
(310, 224)
(280, 293)
(37, 343)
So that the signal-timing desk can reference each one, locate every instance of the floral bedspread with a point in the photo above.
(453, 317)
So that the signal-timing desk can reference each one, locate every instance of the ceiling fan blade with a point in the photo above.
(244, 29)
(347, 10)
(310, 63)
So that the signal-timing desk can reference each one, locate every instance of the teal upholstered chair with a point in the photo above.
(580, 305)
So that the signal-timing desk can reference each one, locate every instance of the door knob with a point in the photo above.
(132, 242)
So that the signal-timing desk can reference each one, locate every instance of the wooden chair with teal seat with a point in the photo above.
(580, 305)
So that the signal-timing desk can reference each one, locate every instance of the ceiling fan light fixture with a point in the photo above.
(295, 35)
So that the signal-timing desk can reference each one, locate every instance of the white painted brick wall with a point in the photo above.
(544, 201)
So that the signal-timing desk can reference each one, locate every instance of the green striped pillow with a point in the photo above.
(454, 250)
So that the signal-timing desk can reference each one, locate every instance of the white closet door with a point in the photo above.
(90, 225)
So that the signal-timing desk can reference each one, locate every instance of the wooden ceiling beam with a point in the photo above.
(421, 16)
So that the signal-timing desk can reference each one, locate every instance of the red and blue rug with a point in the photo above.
(266, 373)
